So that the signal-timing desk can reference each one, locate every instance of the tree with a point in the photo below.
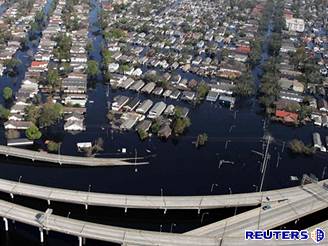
(155, 127)
(53, 79)
(142, 134)
(12, 65)
(98, 146)
(53, 146)
(33, 133)
(201, 140)
(245, 86)
(92, 68)
(180, 125)
(7, 93)
(4, 113)
(50, 114)
(298, 147)
(202, 91)
(32, 113)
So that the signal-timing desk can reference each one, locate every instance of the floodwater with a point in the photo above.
(177, 167)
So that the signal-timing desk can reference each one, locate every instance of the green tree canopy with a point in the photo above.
(33, 133)
(7, 93)
(4, 113)
(50, 114)
(92, 68)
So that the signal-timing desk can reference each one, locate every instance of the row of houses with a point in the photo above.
(15, 27)
(134, 110)
(303, 37)
(29, 88)
(74, 86)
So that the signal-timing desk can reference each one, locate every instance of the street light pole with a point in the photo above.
(256, 187)
(202, 218)
(172, 224)
(212, 187)
(324, 172)
(265, 164)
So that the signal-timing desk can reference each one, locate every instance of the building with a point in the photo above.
(212, 96)
(157, 110)
(317, 143)
(144, 106)
(287, 117)
(119, 102)
(74, 126)
(295, 24)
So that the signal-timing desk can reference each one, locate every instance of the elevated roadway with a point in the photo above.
(67, 160)
(152, 202)
(278, 214)
(87, 230)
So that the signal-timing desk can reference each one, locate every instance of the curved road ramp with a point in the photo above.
(68, 160)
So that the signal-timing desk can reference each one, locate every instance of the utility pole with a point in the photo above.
(265, 164)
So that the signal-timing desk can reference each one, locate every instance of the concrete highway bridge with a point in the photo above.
(153, 202)
(46, 221)
(68, 160)
(276, 215)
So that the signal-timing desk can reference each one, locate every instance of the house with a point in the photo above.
(317, 143)
(17, 125)
(290, 95)
(144, 126)
(113, 67)
(74, 117)
(230, 101)
(295, 24)
(148, 88)
(74, 85)
(129, 120)
(323, 105)
(137, 85)
(175, 94)
(144, 106)
(287, 117)
(119, 102)
(132, 104)
(75, 99)
(188, 95)
(165, 131)
(74, 126)
(169, 110)
(157, 110)
(39, 66)
(167, 93)
(158, 91)
(287, 84)
(212, 96)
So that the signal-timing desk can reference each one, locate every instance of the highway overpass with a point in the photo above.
(86, 230)
(68, 160)
(45, 221)
(151, 202)
(279, 214)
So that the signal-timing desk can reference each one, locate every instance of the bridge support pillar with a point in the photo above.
(48, 202)
(80, 241)
(165, 210)
(41, 235)
(86, 206)
(6, 224)
(199, 211)
(126, 210)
